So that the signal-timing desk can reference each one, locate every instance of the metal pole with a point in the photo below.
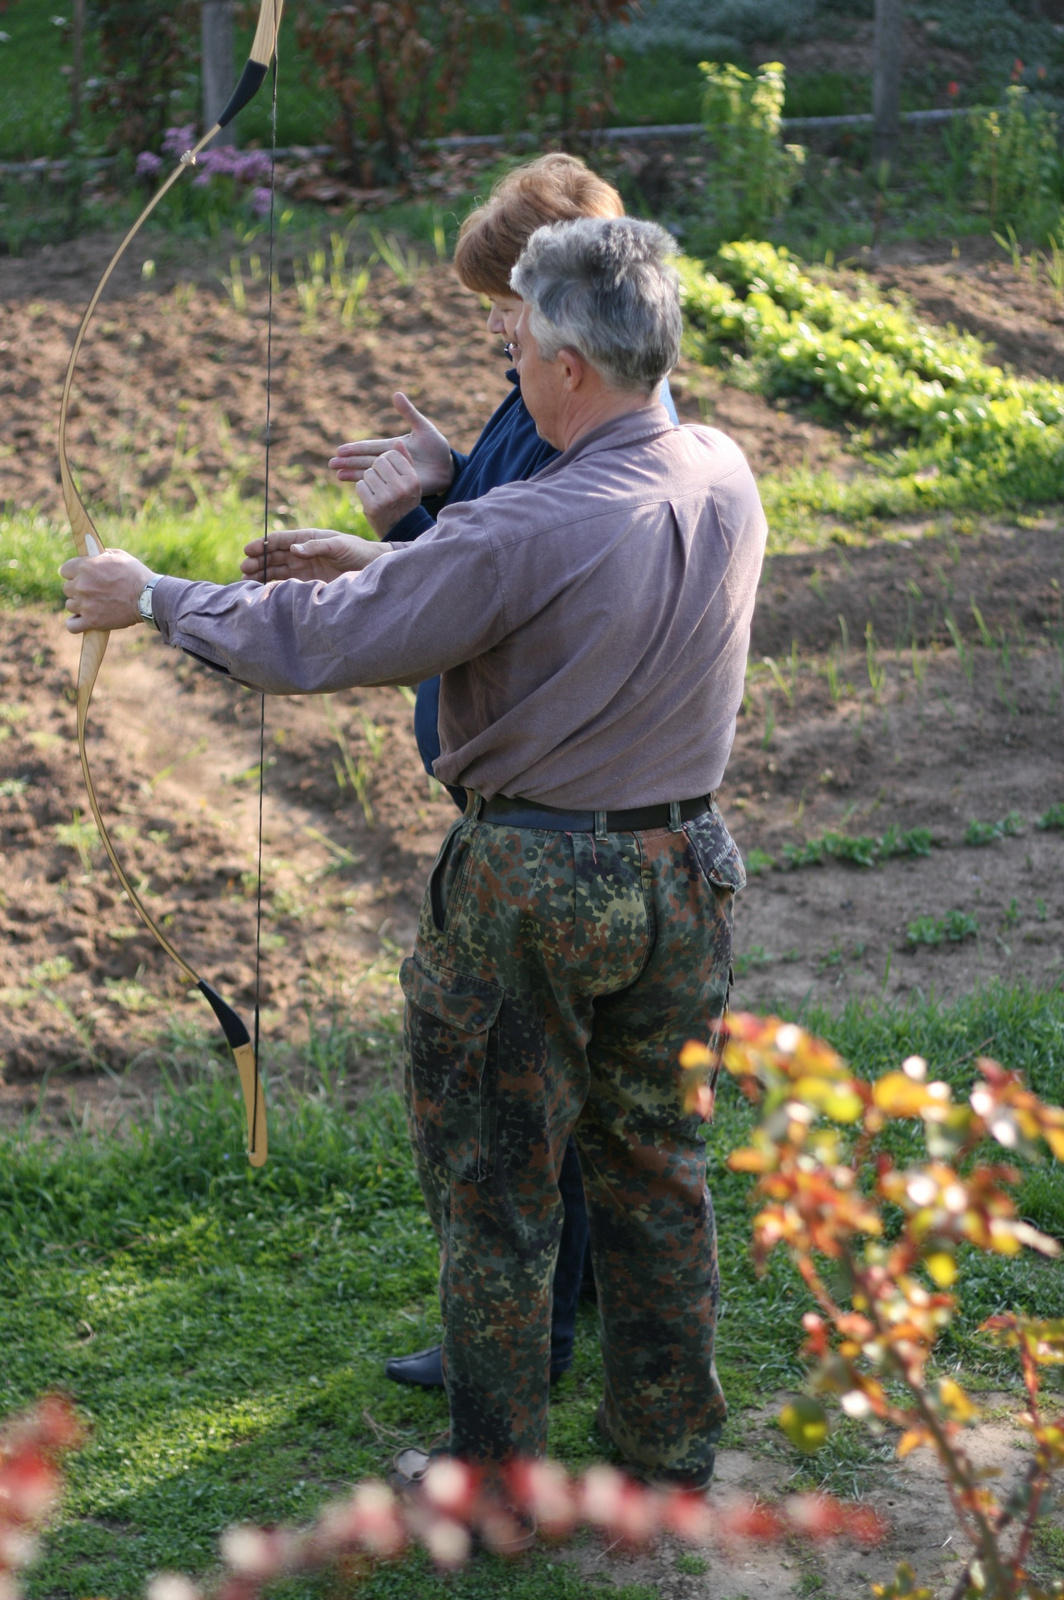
(217, 58)
(886, 87)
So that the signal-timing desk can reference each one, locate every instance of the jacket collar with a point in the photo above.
(631, 428)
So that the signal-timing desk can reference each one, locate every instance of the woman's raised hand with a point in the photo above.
(313, 554)
(425, 446)
(388, 490)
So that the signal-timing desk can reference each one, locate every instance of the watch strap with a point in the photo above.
(144, 603)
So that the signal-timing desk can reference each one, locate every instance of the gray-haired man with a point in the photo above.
(591, 625)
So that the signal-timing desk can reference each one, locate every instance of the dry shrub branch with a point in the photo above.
(568, 66)
(393, 68)
(146, 48)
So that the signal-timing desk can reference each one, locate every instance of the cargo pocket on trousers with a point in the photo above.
(454, 1068)
(716, 851)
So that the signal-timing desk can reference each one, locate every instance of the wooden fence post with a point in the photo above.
(886, 85)
(217, 63)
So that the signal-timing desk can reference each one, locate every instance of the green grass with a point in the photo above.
(224, 1330)
(827, 94)
(204, 541)
(805, 508)
(34, 105)
(657, 87)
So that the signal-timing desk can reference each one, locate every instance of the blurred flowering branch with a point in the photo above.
(824, 1183)
(454, 1508)
(30, 1480)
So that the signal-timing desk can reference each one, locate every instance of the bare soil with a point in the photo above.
(908, 1495)
(862, 713)
(173, 377)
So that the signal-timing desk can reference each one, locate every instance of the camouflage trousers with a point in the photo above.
(554, 981)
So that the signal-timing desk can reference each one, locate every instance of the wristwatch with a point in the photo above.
(144, 605)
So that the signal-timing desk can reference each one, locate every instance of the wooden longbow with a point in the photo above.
(94, 644)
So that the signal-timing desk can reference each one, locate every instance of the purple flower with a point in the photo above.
(148, 164)
(201, 180)
(219, 161)
(254, 164)
(177, 140)
(261, 201)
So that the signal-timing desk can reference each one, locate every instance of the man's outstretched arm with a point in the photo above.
(408, 616)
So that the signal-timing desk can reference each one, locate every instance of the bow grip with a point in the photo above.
(248, 86)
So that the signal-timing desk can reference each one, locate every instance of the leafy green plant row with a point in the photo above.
(965, 430)
(942, 376)
(1011, 826)
(868, 850)
(1007, 827)
(954, 926)
(863, 849)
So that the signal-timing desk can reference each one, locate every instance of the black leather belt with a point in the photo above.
(518, 813)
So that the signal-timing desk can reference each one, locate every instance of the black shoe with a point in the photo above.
(424, 1369)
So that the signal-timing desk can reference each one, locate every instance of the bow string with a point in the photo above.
(94, 642)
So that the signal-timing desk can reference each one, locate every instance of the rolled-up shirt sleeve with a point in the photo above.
(416, 612)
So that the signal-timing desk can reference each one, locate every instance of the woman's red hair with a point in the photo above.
(554, 188)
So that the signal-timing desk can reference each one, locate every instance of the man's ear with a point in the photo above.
(574, 367)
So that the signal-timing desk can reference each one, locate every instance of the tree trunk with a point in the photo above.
(219, 70)
(886, 90)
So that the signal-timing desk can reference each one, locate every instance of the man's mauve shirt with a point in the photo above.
(591, 623)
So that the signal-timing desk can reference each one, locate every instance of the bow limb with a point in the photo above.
(94, 643)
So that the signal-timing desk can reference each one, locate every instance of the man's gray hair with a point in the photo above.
(604, 287)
